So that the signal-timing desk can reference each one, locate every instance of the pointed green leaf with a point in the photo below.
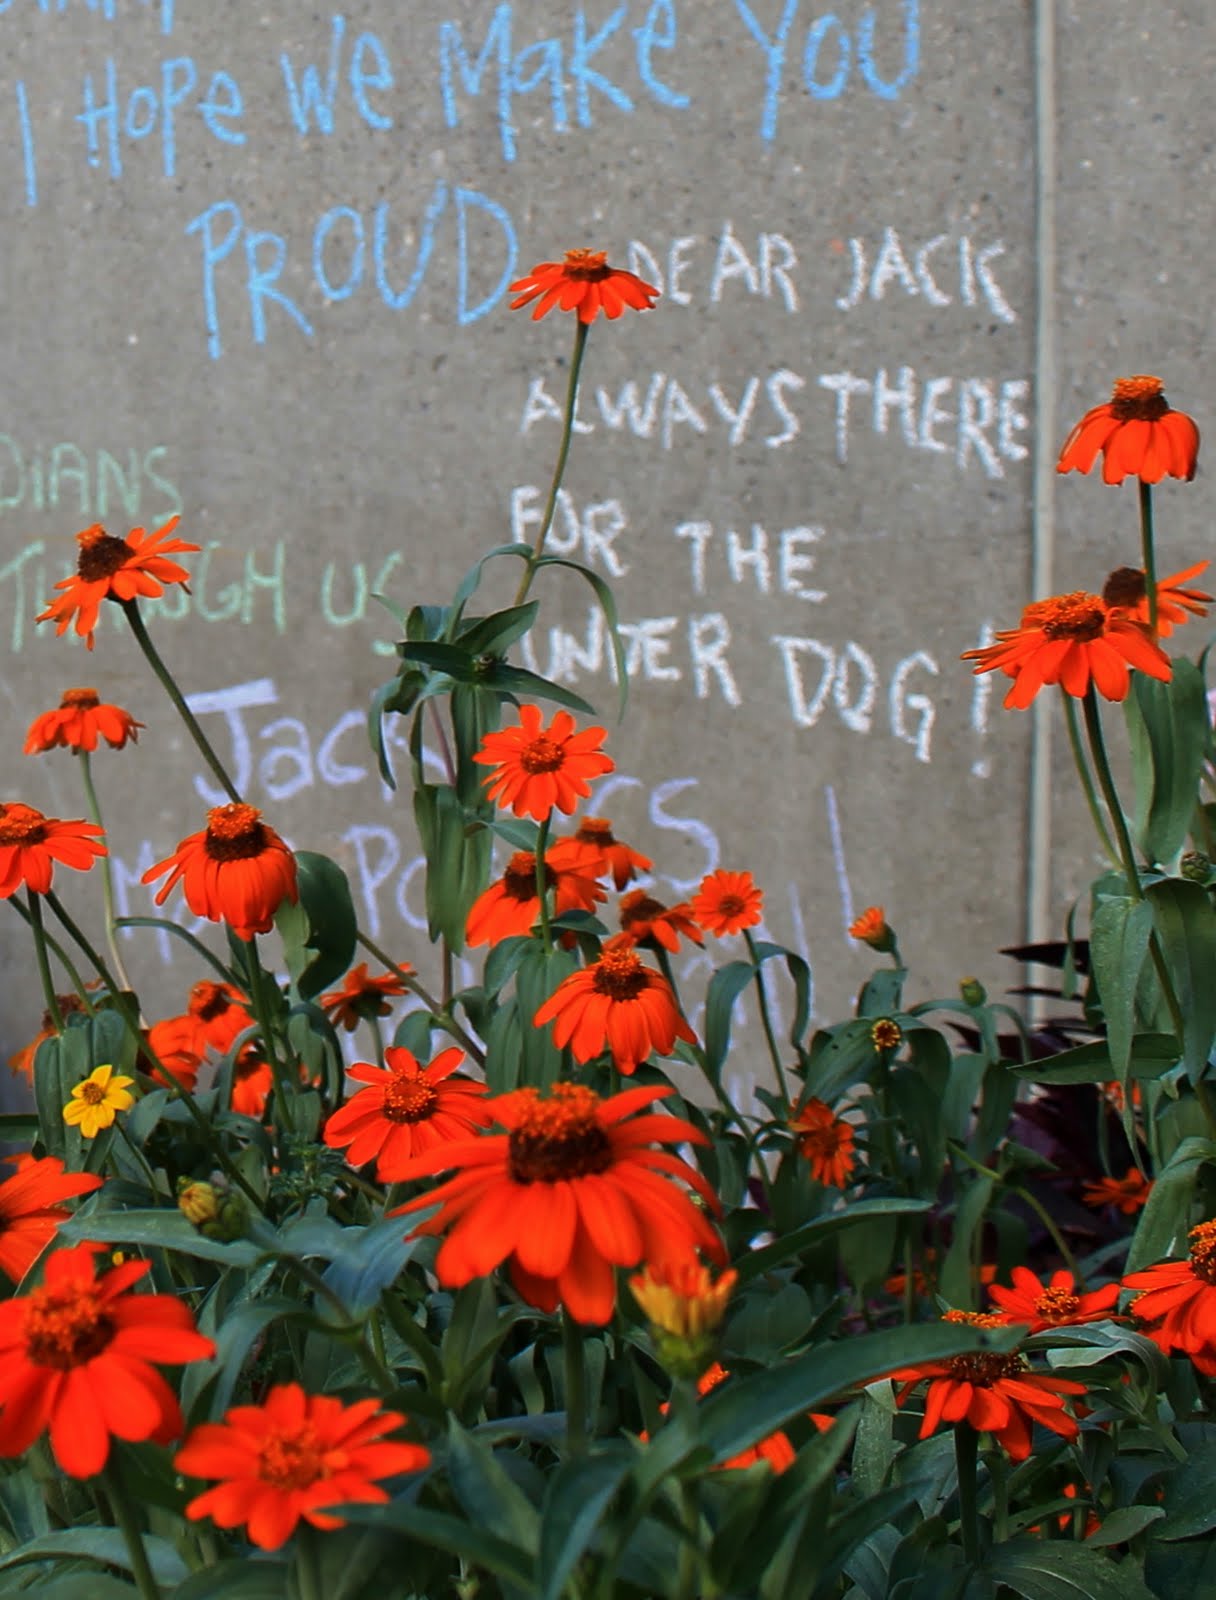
(603, 593)
(319, 933)
(1040, 1569)
(725, 987)
(1186, 926)
(1168, 732)
(1118, 945)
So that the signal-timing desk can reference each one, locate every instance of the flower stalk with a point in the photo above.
(581, 329)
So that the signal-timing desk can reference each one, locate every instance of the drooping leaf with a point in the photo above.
(319, 934)
(1168, 732)
(1118, 946)
(1186, 926)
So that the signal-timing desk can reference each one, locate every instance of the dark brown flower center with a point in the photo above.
(1203, 1251)
(558, 1138)
(595, 830)
(591, 266)
(1072, 616)
(982, 1367)
(208, 1001)
(1138, 399)
(1125, 587)
(21, 825)
(409, 1099)
(542, 755)
(639, 907)
(620, 975)
(519, 880)
(65, 1327)
(731, 905)
(235, 833)
(1057, 1305)
(886, 1034)
(67, 1003)
(101, 555)
(292, 1460)
(84, 699)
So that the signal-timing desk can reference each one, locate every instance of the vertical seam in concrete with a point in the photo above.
(1042, 561)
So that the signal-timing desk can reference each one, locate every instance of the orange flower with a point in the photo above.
(776, 1449)
(252, 1081)
(727, 902)
(649, 922)
(23, 1060)
(924, 1280)
(827, 1143)
(583, 282)
(996, 1394)
(216, 1014)
(682, 1299)
(408, 1109)
(537, 768)
(290, 1458)
(362, 996)
(1053, 1305)
(1128, 1193)
(116, 569)
(80, 720)
(871, 928)
(596, 837)
(1073, 640)
(1179, 1297)
(1126, 590)
(31, 1210)
(236, 871)
(572, 1190)
(619, 1004)
(1137, 435)
(511, 905)
(75, 1357)
(30, 845)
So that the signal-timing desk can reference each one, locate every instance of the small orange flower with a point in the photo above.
(619, 1004)
(168, 1061)
(537, 768)
(75, 1357)
(236, 871)
(252, 1081)
(996, 1394)
(31, 1209)
(871, 928)
(511, 905)
(30, 845)
(362, 996)
(79, 721)
(583, 282)
(116, 569)
(776, 1449)
(1126, 590)
(1073, 640)
(595, 836)
(727, 902)
(1137, 434)
(216, 1014)
(1128, 1193)
(572, 1190)
(290, 1459)
(408, 1109)
(826, 1141)
(924, 1280)
(646, 921)
(1179, 1300)
(1054, 1305)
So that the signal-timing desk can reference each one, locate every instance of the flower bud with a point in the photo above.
(871, 928)
(684, 1308)
(1195, 866)
(972, 991)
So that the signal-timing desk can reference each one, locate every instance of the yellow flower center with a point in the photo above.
(886, 1034)
(1125, 587)
(1071, 616)
(983, 1368)
(409, 1098)
(1057, 1305)
(1138, 399)
(101, 555)
(1203, 1251)
(292, 1460)
(85, 699)
(542, 755)
(519, 880)
(21, 825)
(558, 1138)
(65, 1327)
(621, 975)
(589, 265)
(235, 833)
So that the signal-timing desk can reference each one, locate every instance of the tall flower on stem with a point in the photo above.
(78, 722)
(583, 282)
(31, 844)
(727, 903)
(237, 870)
(408, 1108)
(109, 568)
(1137, 433)
(538, 768)
(594, 838)
(617, 1003)
(573, 1189)
(1058, 1304)
(362, 997)
(1126, 589)
(511, 905)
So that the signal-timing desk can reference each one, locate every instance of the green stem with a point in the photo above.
(1097, 745)
(732, 1114)
(444, 1018)
(1148, 554)
(576, 1385)
(107, 870)
(44, 965)
(1057, 1238)
(141, 1160)
(966, 1455)
(260, 999)
(377, 1034)
(142, 638)
(1087, 782)
(998, 1476)
(766, 1020)
(61, 955)
(688, 1571)
(542, 883)
(581, 329)
(308, 1563)
(141, 1567)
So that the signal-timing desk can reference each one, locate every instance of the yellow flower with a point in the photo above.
(682, 1298)
(97, 1101)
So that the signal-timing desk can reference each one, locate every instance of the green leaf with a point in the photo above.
(725, 987)
(1165, 1220)
(458, 861)
(250, 1579)
(238, 1330)
(106, 1546)
(956, 1284)
(1039, 1569)
(319, 934)
(538, 976)
(495, 634)
(1168, 730)
(80, 1586)
(577, 1495)
(882, 994)
(1118, 945)
(1190, 1496)
(490, 1497)
(467, 586)
(603, 593)
(454, 1534)
(157, 1230)
(756, 1262)
(518, 681)
(374, 1258)
(1152, 1054)
(1122, 1524)
(1186, 927)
